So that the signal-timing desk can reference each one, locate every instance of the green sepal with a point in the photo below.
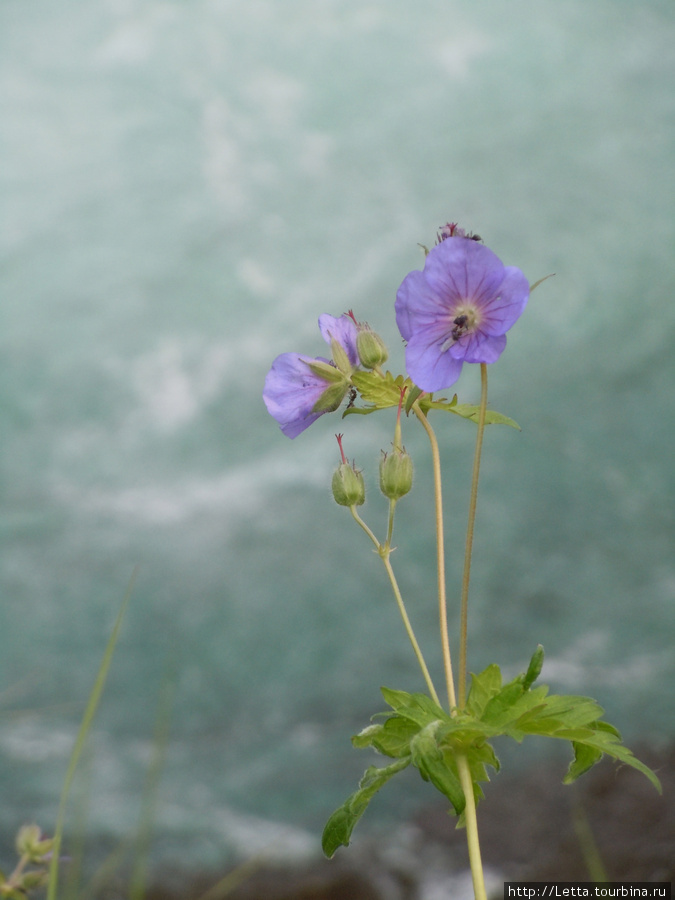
(331, 398)
(340, 358)
(326, 372)
(339, 828)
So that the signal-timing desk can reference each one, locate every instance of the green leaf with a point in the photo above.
(380, 391)
(585, 757)
(391, 738)
(483, 688)
(339, 828)
(560, 712)
(418, 708)
(534, 668)
(437, 767)
(396, 699)
(412, 394)
(492, 417)
(427, 402)
(511, 703)
(604, 738)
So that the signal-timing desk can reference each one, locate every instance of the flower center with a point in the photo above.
(466, 320)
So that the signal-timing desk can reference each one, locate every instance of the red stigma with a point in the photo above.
(342, 452)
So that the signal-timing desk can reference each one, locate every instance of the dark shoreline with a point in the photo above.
(532, 828)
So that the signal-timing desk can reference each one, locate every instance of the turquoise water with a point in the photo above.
(185, 188)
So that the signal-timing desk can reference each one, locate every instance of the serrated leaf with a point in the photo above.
(418, 708)
(380, 391)
(427, 402)
(511, 703)
(339, 828)
(484, 687)
(395, 699)
(559, 711)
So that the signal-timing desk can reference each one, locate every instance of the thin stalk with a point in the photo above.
(471, 828)
(384, 552)
(92, 706)
(464, 772)
(464, 615)
(440, 555)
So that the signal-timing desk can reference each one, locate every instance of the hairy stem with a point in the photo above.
(440, 555)
(384, 552)
(462, 762)
(471, 828)
(464, 616)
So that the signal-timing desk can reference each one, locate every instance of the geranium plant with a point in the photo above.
(457, 310)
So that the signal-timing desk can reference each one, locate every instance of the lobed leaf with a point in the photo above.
(339, 828)
(418, 708)
(483, 688)
(381, 391)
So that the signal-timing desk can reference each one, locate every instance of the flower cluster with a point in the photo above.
(456, 310)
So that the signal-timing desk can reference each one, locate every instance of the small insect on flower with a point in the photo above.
(352, 398)
(461, 328)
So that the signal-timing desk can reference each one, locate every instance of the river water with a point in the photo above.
(185, 189)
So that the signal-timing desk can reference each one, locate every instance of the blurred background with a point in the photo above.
(185, 188)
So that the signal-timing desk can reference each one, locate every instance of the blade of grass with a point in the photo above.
(90, 711)
(149, 802)
(233, 879)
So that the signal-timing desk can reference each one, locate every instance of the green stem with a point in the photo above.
(463, 632)
(384, 552)
(463, 769)
(92, 706)
(440, 555)
(471, 828)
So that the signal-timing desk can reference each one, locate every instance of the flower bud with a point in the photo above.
(31, 844)
(371, 348)
(396, 474)
(348, 486)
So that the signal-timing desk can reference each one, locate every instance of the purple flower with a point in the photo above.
(342, 329)
(457, 310)
(299, 389)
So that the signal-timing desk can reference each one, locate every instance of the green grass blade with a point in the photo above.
(89, 713)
